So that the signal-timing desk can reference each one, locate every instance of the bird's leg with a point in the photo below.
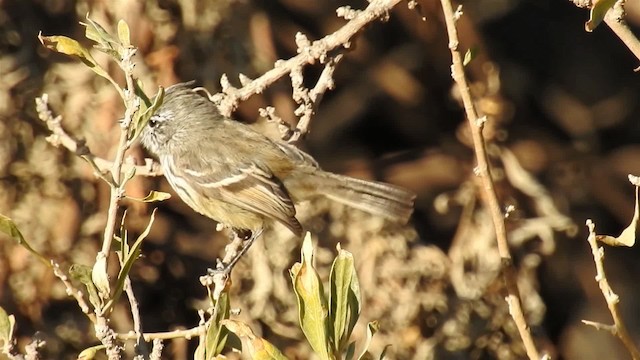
(242, 237)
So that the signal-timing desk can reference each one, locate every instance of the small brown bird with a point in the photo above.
(229, 172)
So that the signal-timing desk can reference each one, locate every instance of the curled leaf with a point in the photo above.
(8, 227)
(628, 235)
(372, 328)
(153, 197)
(82, 273)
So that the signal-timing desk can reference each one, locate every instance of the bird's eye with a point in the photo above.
(153, 122)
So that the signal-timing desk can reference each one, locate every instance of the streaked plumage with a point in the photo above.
(229, 172)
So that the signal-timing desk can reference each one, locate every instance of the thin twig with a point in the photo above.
(141, 345)
(187, 334)
(619, 328)
(132, 103)
(100, 166)
(476, 124)
(72, 291)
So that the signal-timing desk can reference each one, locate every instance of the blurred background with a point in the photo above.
(563, 128)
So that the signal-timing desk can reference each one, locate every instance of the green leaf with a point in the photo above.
(598, 11)
(106, 42)
(372, 329)
(217, 333)
(7, 326)
(82, 273)
(312, 304)
(345, 307)
(469, 56)
(99, 276)
(90, 353)
(257, 348)
(153, 196)
(351, 351)
(141, 121)
(7, 226)
(124, 34)
(128, 258)
(383, 355)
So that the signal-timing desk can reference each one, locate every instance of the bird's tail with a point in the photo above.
(386, 200)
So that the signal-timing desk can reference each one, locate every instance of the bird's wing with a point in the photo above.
(249, 186)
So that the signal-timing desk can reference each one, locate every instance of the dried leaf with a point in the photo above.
(68, 46)
(257, 348)
(153, 197)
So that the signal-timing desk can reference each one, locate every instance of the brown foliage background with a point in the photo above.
(562, 101)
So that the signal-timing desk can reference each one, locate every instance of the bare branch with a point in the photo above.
(619, 328)
(308, 53)
(483, 170)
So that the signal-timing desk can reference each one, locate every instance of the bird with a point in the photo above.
(226, 170)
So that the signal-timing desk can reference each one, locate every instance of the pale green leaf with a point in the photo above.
(99, 276)
(8, 227)
(598, 11)
(146, 113)
(217, 333)
(91, 352)
(312, 304)
(82, 273)
(106, 42)
(344, 307)
(124, 34)
(469, 56)
(7, 326)
(372, 329)
(127, 262)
